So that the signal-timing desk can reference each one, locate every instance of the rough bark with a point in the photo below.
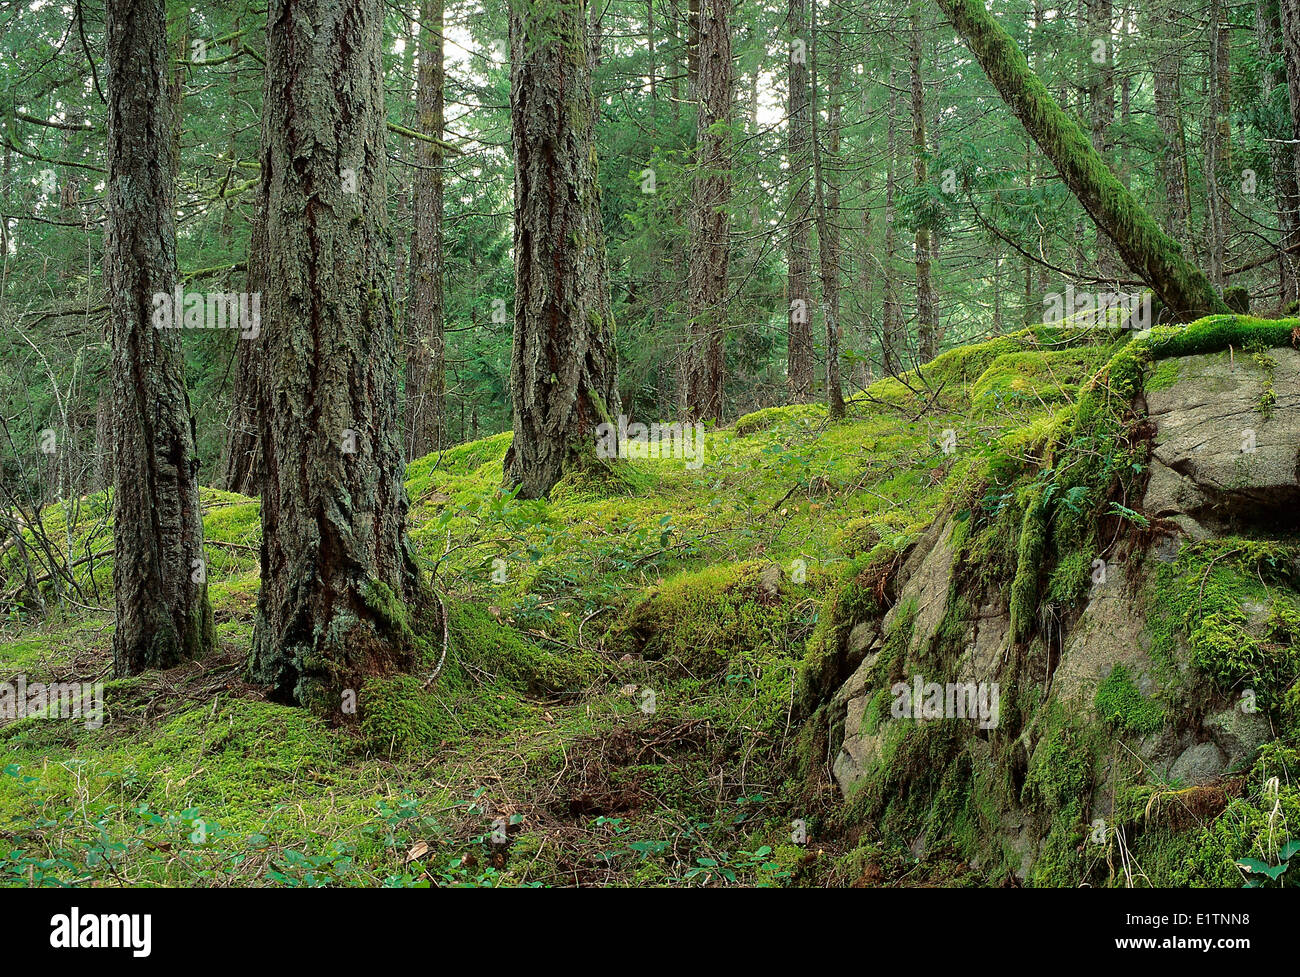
(563, 371)
(1146, 249)
(710, 224)
(426, 363)
(337, 570)
(800, 354)
(160, 588)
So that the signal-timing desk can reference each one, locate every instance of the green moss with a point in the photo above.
(1201, 602)
(1029, 559)
(1120, 704)
(762, 420)
(1167, 373)
(705, 620)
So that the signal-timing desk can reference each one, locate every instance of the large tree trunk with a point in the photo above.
(710, 225)
(926, 346)
(336, 564)
(563, 370)
(799, 335)
(1146, 249)
(159, 580)
(826, 180)
(426, 363)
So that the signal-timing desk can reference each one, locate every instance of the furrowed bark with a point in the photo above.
(563, 370)
(710, 223)
(426, 363)
(161, 594)
(337, 569)
(1173, 155)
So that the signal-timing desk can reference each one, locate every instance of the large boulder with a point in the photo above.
(1226, 453)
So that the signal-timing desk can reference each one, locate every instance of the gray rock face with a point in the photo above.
(1239, 734)
(1227, 445)
(1198, 764)
(1111, 631)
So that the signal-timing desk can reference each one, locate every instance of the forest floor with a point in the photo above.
(618, 702)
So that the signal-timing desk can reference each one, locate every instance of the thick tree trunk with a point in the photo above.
(710, 224)
(800, 355)
(426, 364)
(159, 579)
(336, 564)
(826, 180)
(1146, 249)
(563, 371)
(926, 346)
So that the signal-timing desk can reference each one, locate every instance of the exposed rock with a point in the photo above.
(857, 682)
(1111, 631)
(769, 582)
(1239, 734)
(860, 751)
(927, 586)
(1227, 443)
(986, 641)
(1198, 764)
(862, 637)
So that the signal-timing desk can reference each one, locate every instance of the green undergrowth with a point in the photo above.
(636, 677)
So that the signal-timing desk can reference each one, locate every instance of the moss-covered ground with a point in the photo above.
(637, 670)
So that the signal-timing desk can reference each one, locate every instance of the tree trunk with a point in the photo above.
(426, 364)
(337, 569)
(1217, 147)
(1173, 153)
(891, 335)
(243, 464)
(1268, 30)
(563, 371)
(1101, 98)
(710, 225)
(160, 587)
(1289, 16)
(800, 354)
(826, 181)
(926, 346)
(1146, 249)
